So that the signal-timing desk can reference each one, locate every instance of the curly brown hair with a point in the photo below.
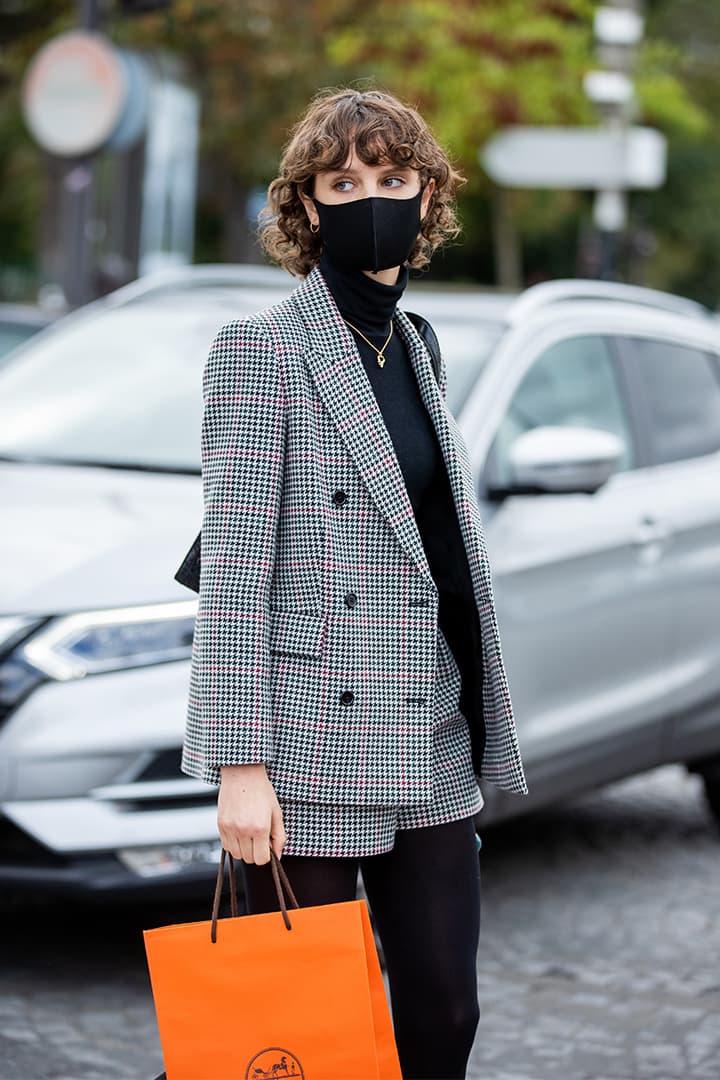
(381, 128)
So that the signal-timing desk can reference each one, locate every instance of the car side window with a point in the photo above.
(573, 383)
(681, 391)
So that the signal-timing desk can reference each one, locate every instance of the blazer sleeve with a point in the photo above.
(243, 440)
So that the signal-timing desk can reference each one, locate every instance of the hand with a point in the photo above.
(249, 814)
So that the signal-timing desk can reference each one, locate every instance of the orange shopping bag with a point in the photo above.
(260, 996)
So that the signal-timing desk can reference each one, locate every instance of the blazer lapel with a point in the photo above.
(338, 372)
(454, 451)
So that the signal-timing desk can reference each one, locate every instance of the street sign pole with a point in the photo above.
(619, 28)
(78, 199)
(609, 159)
(90, 14)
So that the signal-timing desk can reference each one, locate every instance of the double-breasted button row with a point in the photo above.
(347, 697)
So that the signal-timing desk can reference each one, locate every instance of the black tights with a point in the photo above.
(424, 896)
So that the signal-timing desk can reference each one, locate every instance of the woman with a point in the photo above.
(342, 554)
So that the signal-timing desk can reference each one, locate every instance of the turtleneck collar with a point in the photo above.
(367, 303)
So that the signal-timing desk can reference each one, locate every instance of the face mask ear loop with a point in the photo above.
(421, 193)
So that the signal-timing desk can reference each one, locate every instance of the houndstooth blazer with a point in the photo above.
(315, 642)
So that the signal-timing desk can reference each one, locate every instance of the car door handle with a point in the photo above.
(650, 530)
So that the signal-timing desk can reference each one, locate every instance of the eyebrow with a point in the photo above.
(386, 169)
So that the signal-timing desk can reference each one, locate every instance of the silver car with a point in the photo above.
(592, 415)
(18, 322)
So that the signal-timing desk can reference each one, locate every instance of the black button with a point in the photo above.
(350, 599)
(347, 697)
(339, 498)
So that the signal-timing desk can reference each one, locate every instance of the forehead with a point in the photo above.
(354, 163)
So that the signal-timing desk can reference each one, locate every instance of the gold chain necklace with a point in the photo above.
(380, 352)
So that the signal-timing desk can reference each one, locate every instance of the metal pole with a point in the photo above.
(78, 198)
(611, 204)
(90, 14)
(506, 242)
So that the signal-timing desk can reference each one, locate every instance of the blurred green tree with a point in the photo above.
(470, 67)
(682, 220)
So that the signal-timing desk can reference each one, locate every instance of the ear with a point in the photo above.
(427, 196)
(309, 208)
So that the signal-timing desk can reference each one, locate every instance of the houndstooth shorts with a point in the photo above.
(314, 828)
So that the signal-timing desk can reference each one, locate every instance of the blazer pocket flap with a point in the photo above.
(296, 633)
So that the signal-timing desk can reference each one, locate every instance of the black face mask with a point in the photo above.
(370, 234)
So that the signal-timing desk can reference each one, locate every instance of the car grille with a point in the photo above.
(165, 765)
(159, 785)
(17, 847)
(16, 682)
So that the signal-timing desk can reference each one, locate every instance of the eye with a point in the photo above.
(393, 181)
(338, 185)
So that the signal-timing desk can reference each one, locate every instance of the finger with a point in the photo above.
(227, 839)
(261, 849)
(232, 846)
(277, 832)
(245, 844)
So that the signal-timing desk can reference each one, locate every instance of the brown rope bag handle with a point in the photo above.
(279, 875)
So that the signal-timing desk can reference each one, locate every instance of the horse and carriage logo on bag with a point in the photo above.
(274, 1063)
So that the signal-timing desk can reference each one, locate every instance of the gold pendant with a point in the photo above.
(381, 359)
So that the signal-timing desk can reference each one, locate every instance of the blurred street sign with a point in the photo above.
(618, 26)
(81, 94)
(609, 88)
(576, 157)
(73, 93)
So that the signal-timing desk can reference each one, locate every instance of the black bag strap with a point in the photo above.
(280, 879)
(429, 336)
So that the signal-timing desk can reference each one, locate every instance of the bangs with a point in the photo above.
(378, 135)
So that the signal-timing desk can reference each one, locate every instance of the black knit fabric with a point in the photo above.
(370, 305)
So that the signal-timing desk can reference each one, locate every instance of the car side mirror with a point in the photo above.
(562, 459)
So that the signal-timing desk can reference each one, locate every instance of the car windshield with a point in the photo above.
(466, 346)
(124, 388)
(12, 334)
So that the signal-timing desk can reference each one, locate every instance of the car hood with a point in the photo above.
(74, 538)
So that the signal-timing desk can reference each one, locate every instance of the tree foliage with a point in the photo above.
(683, 215)
(470, 67)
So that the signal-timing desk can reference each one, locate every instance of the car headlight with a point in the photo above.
(89, 642)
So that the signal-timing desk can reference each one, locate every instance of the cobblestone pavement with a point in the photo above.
(600, 939)
(599, 954)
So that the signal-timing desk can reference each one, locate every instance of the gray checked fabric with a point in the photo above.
(315, 643)
(331, 829)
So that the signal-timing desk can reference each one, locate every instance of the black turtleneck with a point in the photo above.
(370, 305)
